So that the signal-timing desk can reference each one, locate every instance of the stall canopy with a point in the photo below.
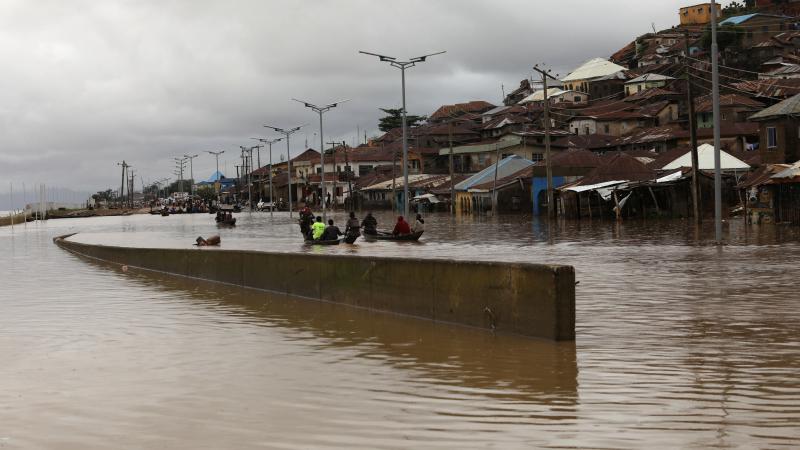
(705, 157)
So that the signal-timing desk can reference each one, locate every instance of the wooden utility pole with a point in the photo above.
(452, 170)
(692, 134)
(551, 210)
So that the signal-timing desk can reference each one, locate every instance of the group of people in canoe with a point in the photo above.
(314, 229)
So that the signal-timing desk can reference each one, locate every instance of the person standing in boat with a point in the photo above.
(317, 229)
(419, 225)
(306, 219)
(352, 229)
(401, 227)
(331, 232)
(369, 224)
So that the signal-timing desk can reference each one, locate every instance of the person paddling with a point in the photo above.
(352, 229)
(419, 224)
(369, 224)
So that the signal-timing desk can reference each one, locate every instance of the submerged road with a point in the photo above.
(679, 344)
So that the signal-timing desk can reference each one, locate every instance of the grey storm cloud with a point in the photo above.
(86, 84)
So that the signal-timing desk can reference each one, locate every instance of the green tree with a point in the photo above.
(394, 119)
(207, 193)
(103, 195)
(728, 36)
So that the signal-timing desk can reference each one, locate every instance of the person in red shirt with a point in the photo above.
(401, 227)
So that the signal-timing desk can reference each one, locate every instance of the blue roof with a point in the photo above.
(215, 176)
(507, 167)
(738, 20)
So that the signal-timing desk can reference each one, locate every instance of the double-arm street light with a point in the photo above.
(286, 134)
(322, 110)
(216, 155)
(403, 65)
(269, 144)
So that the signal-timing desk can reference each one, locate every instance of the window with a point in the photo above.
(319, 169)
(772, 137)
(577, 99)
(364, 169)
(586, 130)
(536, 157)
(724, 116)
(607, 128)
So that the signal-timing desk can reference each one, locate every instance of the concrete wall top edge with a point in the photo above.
(59, 240)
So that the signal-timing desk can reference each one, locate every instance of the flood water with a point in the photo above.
(679, 344)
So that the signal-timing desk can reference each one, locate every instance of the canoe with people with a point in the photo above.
(316, 232)
(402, 230)
(225, 218)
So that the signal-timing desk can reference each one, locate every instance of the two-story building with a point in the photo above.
(779, 133)
(646, 81)
(699, 14)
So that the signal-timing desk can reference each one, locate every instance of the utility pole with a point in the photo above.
(191, 171)
(181, 164)
(247, 161)
(494, 185)
(269, 143)
(287, 133)
(548, 160)
(403, 65)
(717, 138)
(692, 136)
(452, 169)
(122, 183)
(348, 173)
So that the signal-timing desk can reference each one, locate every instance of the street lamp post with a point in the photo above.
(286, 134)
(322, 110)
(716, 112)
(269, 144)
(403, 65)
(216, 155)
(191, 171)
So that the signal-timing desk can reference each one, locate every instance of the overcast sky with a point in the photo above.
(86, 84)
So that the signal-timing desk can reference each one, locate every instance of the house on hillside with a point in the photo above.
(759, 27)
(447, 112)
(599, 71)
(699, 14)
(733, 108)
(779, 131)
(646, 81)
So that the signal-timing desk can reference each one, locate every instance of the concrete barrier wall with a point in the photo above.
(528, 299)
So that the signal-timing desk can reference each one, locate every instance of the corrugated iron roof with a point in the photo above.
(788, 107)
(594, 68)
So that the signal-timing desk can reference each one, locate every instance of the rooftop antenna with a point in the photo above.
(653, 24)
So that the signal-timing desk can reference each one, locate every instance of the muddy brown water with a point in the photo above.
(679, 345)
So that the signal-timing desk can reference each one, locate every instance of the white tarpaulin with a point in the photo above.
(671, 177)
(705, 157)
(592, 187)
(429, 197)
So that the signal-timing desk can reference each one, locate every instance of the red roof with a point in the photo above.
(475, 106)
(705, 103)
(620, 167)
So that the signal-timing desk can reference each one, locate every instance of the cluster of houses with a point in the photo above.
(620, 134)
